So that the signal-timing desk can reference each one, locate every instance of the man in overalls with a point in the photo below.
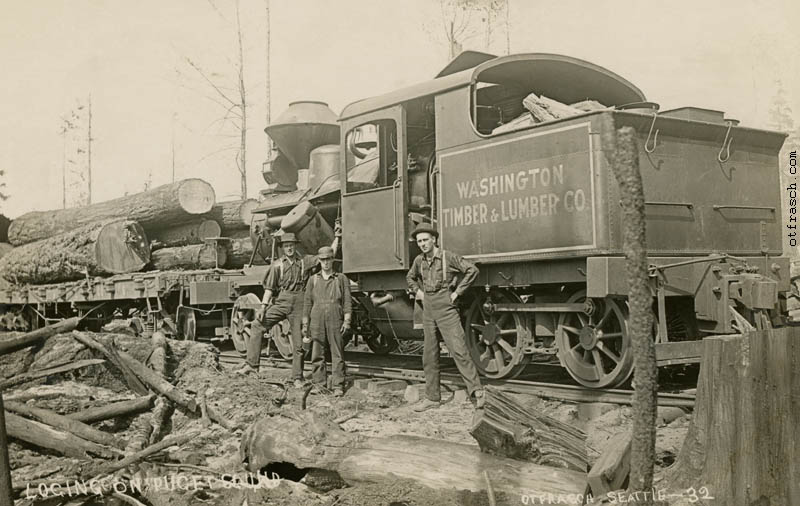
(432, 279)
(287, 278)
(327, 314)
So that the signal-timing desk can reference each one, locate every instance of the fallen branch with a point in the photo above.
(36, 336)
(158, 383)
(44, 436)
(143, 454)
(114, 409)
(32, 375)
(219, 419)
(58, 421)
(130, 379)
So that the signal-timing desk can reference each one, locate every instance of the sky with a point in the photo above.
(149, 107)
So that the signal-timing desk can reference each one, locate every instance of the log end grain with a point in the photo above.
(196, 196)
(122, 247)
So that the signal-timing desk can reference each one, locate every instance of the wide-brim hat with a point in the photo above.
(287, 237)
(325, 252)
(424, 227)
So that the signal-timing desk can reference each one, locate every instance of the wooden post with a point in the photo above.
(743, 445)
(5, 468)
(623, 154)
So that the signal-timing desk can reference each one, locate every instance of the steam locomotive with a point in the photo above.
(505, 157)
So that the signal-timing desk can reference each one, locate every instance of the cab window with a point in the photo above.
(371, 155)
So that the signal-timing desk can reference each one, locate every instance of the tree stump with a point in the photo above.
(161, 207)
(743, 445)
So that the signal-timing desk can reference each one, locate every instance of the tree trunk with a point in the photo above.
(158, 383)
(308, 440)
(508, 429)
(161, 207)
(44, 436)
(742, 445)
(195, 256)
(115, 247)
(183, 235)
(233, 214)
(163, 409)
(64, 423)
(34, 337)
(113, 410)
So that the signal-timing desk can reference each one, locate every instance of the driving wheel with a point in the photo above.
(594, 344)
(242, 316)
(495, 339)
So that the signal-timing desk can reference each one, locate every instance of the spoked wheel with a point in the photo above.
(282, 337)
(187, 324)
(594, 345)
(380, 344)
(496, 340)
(242, 316)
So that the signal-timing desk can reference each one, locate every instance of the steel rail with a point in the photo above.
(572, 393)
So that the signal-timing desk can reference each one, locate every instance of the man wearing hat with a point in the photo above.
(433, 280)
(327, 314)
(286, 280)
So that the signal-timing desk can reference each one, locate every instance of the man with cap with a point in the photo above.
(433, 280)
(327, 314)
(285, 280)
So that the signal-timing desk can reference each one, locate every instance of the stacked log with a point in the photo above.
(195, 256)
(106, 247)
(239, 252)
(162, 207)
(194, 232)
(233, 215)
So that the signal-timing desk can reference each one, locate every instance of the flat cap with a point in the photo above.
(325, 252)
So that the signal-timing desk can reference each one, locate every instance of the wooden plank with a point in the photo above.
(679, 350)
(612, 468)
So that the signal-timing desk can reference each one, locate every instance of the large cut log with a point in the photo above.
(508, 429)
(115, 247)
(44, 436)
(195, 256)
(43, 373)
(233, 214)
(64, 423)
(161, 207)
(36, 336)
(113, 410)
(743, 444)
(308, 440)
(183, 235)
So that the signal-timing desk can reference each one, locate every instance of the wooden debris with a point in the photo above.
(64, 423)
(161, 207)
(611, 470)
(113, 410)
(216, 417)
(114, 247)
(508, 429)
(195, 256)
(309, 440)
(133, 382)
(37, 336)
(44, 436)
(33, 375)
(150, 450)
(158, 383)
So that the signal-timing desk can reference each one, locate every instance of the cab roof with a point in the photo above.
(559, 77)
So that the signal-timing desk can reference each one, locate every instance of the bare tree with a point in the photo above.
(3, 194)
(463, 21)
(76, 165)
(232, 101)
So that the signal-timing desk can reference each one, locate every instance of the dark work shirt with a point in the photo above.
(335, 289)
(295, 273)
(428, 276)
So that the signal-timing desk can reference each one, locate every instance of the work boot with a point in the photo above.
(426, 405)
(246, 369)
(480, 399)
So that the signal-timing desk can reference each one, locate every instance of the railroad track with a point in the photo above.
(403, 369)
